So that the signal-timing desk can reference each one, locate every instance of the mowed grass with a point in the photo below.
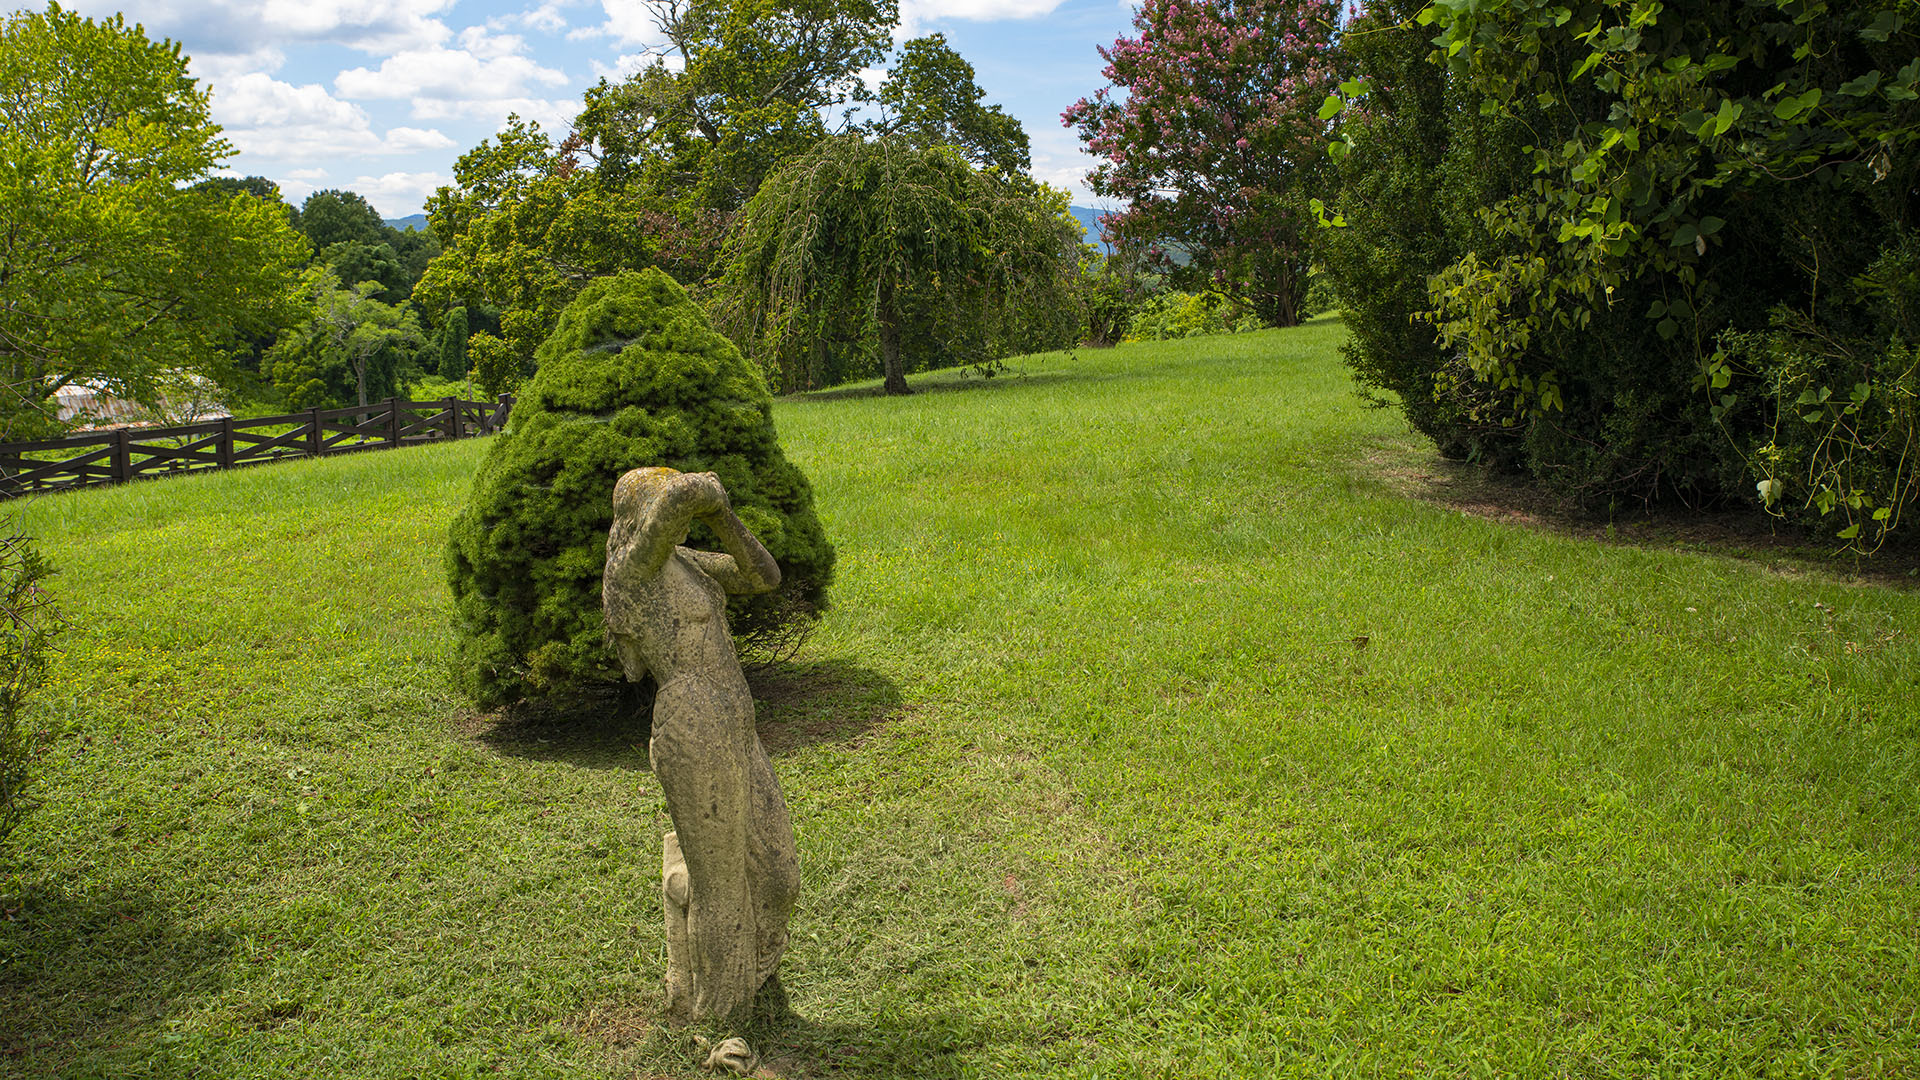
(1154, 733)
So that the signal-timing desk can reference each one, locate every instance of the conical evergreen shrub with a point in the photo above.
(633, 375)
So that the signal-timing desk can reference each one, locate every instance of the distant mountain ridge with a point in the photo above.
(416, 222)
(1089, 219)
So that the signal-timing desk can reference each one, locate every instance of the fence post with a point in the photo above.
(500, 414)
(224, 455)
(315, 444)
(393, 421)
(451, 424)
(122, 455)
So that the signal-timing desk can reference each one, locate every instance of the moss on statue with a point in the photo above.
(633, 375)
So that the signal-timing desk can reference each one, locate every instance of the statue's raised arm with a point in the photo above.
(652, 509)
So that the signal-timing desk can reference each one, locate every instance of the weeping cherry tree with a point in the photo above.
(870, 250)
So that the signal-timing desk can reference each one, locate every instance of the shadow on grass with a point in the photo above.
(918, 1046)
(796, 705)
(88, 978)
(1415, 471)
(791, 1047)
(821, 701)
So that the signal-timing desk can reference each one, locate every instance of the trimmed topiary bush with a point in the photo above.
(633, 375)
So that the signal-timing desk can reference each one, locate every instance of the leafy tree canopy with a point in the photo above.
(351, 348)
(527, 228)
(863, 246)
(357, 261)
(931, 99)
(337, 217)
(452, 357)
(1215, 141)
(113, 269)
(758, 78)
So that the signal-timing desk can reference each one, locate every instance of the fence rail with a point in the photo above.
(114, 457)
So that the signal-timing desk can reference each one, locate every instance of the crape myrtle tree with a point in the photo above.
(633, 375)
(866, 245)
(1211, 135)
(116, 266)
(1698, 272)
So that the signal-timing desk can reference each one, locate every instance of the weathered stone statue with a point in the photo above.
(730, 874)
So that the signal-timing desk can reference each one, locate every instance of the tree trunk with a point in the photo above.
(1279, 303)
(896, 381)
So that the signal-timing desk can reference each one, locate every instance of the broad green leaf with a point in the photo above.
(1884, 26)
(1728, 115)
(1861, 86)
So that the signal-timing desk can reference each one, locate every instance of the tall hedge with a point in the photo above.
(1645, 251)
(633, 375)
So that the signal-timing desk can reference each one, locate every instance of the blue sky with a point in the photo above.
(381, 96)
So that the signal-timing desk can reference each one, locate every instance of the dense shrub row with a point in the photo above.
(1644, 252)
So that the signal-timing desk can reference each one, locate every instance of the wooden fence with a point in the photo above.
(114, 457)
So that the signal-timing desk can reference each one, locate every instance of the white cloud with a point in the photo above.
(627, 65)
(915, 14)
(295, 192)
(486, 45)
(273, 119)
(629, 22)
(260, 100)
(448, 76)
(235, 27)
(548, 17)
(407, 140)
(217, 69)
(1059, 160)
(398, 194)
(555, 116)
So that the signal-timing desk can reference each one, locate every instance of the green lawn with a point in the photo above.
(1089, 776)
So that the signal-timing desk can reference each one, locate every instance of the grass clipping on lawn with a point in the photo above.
(633, 375)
